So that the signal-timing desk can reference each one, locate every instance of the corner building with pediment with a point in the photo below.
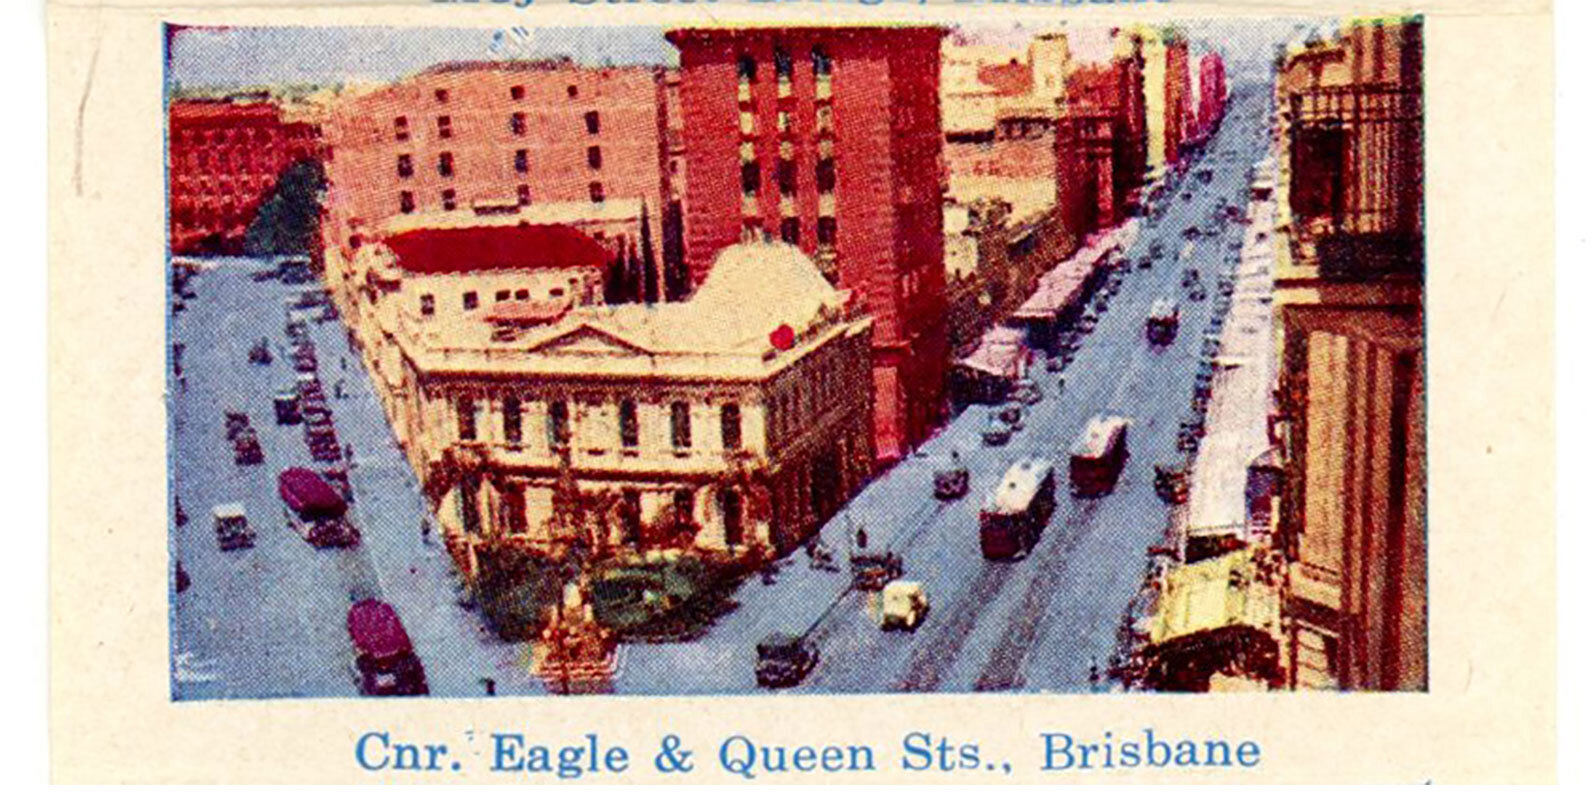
(735, 422)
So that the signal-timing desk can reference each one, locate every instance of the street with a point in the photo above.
(269, 621)
(1047, 622)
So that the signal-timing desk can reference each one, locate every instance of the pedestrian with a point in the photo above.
(862, 538)
(425, 531)
(348, 454)
(491, 686)
(343, 361)
(338, 389)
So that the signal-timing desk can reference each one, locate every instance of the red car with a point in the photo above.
(384, 659)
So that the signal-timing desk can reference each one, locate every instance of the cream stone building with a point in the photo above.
(736, 421)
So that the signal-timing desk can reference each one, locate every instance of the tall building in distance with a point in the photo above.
(488, 137)
(1351, 401)
(830, 139)
(225, 157)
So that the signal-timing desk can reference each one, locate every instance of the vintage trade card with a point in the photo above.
(842, 391)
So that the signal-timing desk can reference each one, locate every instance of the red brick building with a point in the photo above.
(1179, 99)
(1213, 92)
(224, 159)
(830, 139)
(1101, 142)
(489, 136)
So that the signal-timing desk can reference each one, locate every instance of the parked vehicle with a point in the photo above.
(384, 659)
(784, 660)
(997, 432)
(951, 483)
(1027, 392)
(1011, 414)
(260, 353)
(315, 510)
(904, 605)
(871, 571)
(236, 423)
(246, 448)
(1098, 456)
(232, 527)
(1171, 482)
(1160, 327)
(1015, 513)
(286, 404)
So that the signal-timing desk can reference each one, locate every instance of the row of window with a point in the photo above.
(516, 92)
(522, 162)
(246, 159)
(784, 177)
(823, 65)
(471, 300)
(683, 499)
(255, 136)
(518, 125)
(790, 230)
(407, 205)
(559, 432)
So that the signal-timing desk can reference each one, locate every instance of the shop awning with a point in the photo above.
(1220, 592)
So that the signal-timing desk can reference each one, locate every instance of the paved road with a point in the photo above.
(269, 621)
(1036, 624)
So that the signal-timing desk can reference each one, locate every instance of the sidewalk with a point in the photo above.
(1235, 428)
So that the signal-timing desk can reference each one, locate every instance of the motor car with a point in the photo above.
(232, 527)
(904, 605)
(1011, 414)
(871, 571)
(1027, 392)
(951, 482)
(997, 432)
(784, 660)
(1055, 363)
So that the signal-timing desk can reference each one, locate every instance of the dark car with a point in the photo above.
(1011, 414)
(997, 432)
(784, 660)
(246, 448)
(951, 482)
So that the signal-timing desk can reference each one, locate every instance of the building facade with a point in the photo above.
(1212, 94)
(629, 428)
(829, 139)
(1351, 399)
(224, 159)
(999, 107)
(473, 136)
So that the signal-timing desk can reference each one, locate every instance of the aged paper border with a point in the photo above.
(1490, 715)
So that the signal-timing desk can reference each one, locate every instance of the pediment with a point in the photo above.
(588, 340)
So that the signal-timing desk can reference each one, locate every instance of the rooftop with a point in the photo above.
(711, 335)
(441, 251)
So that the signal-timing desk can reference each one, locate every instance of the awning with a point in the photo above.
(1000, 353)
(1220, 592)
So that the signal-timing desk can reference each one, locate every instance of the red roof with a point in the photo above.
(305, 492)
(438, 251)
(374, 628)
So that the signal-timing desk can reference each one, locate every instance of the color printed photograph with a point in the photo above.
(752, 359)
